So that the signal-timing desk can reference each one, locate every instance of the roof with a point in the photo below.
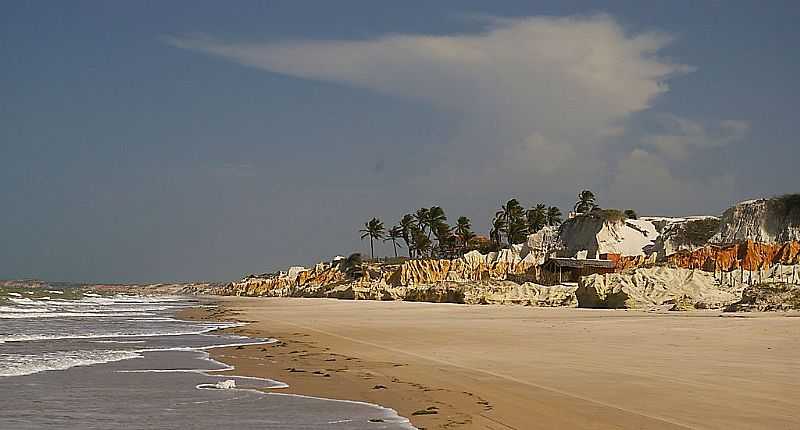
(580, 263)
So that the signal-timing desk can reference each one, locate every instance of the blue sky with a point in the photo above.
(145, 141)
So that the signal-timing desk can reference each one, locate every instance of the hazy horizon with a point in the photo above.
(146, 142)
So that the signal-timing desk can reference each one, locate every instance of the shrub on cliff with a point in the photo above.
(352, 266)
(768, 297)
(789, 204)
(698, 232)
(606, 215)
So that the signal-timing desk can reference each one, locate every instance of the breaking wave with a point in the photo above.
(28, 364)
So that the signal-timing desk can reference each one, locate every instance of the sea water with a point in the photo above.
(69, 360)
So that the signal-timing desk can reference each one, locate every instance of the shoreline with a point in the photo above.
(501, 367)
(316, 371)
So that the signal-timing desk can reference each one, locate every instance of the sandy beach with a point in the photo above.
(505, 367)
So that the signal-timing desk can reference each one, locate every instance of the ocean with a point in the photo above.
(72, 360)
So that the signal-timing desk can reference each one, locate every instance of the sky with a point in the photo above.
(201, 140)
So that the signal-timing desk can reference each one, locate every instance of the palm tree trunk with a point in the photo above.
(371, 249)
(394, 244)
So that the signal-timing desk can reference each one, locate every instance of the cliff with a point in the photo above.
(690, 262)
(487, 292)
(747, 255)
(597, 233)
(683, 234)
(775, 220)
(678, 289)
(473, 278)
(608, 233)
(768, 297)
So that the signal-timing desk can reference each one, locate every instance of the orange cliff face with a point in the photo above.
(747, 255)
(622, 262)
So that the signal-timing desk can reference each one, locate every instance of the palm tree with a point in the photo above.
(373, 229)
(395, 233)
(446, 241)
(516, 231)
(586, 202)
(537, 217)
(553, 216)
(498, 227)
(437, 223)
(464, 231)
(406, 224)
(515, 225)
(420, 242)
(421, 217)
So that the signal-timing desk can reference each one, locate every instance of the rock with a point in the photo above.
(775, 220)
(646, 288)
(768, 297)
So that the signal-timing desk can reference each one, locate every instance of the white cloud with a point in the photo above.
(548, 100)
(656, 187)
(568, 80)
(680, 136)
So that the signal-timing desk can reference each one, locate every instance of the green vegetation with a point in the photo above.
(464, 232)
(790, 205)
(631, 214)
(406, 225)
(698, 232)
(426, 233)
(394, 235)
(374, 230)
(515, 225)
(586, 202)
(552, 217)
(537, 217)
(352, 266)
(606, 215)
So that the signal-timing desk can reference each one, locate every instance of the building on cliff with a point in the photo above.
(562, 269)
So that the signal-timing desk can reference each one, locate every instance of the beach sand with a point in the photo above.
(448, 366)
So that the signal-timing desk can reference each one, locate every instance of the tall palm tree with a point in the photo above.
(421, 218)
(586, 202)
(464, 231)
(553, 216)
(437, 223)
(420, 242)
(395, 233)
(537, 217)
(512, 215)
(406, 224)
(374, 230)
(496, 232)
(446, 241)
(516, 230)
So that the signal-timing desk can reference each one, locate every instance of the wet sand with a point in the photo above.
(493, 367)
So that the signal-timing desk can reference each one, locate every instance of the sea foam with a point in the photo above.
(22, 364)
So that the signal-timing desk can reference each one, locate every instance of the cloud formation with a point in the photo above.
(678, 137)
(547, 100)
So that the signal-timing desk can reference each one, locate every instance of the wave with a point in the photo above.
(57, 336)
(22, 364)
(22, 310)
(119, 341)
(28, 314)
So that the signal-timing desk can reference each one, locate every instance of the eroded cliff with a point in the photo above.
(774, 220)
